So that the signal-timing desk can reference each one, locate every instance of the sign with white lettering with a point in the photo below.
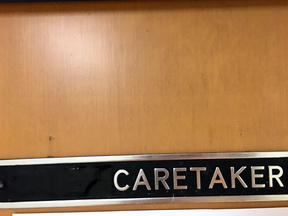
(173, 178)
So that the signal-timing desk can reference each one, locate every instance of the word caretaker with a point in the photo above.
(161, 176)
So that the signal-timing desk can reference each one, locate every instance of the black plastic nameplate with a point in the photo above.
(143, 179)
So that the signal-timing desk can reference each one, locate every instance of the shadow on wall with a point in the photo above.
(50, 6)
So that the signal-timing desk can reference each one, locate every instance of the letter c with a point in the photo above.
(116, 178)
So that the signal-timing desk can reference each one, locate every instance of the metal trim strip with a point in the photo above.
(77, 203)
(147, 157)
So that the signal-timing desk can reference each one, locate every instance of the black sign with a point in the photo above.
(210, 177)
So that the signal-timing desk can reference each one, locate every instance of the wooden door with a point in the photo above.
(143, 77)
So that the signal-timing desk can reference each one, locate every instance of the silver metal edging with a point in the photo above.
(77, 203)
(147, 157)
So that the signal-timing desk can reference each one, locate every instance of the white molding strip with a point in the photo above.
(189, 212)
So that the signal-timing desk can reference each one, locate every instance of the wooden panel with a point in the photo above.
(139, 77)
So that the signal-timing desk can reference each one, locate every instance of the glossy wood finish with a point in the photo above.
(142, 77)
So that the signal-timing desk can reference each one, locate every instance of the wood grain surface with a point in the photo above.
(142, 77)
